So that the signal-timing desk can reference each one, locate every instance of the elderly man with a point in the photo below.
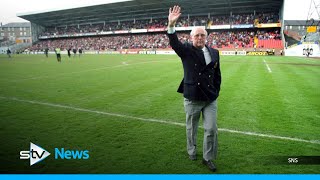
(200, 87)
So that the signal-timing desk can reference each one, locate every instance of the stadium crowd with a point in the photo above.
(162, 23)
(221, 39)
(236, 38)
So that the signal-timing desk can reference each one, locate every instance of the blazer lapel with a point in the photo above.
(200, 54)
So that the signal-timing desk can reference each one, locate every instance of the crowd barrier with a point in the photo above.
(163, 52)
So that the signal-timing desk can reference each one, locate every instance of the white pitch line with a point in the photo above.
(159, 120)
(269, 69)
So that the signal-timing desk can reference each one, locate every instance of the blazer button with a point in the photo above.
(195, 64)
(199, 73)
(209, 75)
(198, 83)
(208, 85)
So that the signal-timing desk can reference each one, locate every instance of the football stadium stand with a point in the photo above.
(141, 24)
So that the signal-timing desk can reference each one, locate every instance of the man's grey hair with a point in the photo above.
(195, 28)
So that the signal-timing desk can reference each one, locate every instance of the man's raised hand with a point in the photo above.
(174, 14)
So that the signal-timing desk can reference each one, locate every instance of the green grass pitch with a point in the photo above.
(125, 110)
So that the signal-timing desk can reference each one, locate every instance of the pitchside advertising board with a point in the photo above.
(168, 52)
(232, 53)
(246, 53)
(259, 53)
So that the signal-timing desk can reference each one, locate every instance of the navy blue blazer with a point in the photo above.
(201, 82)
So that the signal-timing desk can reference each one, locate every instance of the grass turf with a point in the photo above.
(284, 102)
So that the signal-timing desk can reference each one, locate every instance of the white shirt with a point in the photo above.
(171, 30)
(207, 56)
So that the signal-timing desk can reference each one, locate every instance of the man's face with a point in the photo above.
(199, 38)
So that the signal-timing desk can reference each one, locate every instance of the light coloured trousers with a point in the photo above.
(193, 111)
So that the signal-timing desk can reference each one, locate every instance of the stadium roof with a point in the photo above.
(301, 23)
(142, 9)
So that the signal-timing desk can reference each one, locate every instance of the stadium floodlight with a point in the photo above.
(311, 24)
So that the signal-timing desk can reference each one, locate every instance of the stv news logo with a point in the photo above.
(37, 154)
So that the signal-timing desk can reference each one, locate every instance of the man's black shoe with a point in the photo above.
(210, 165)
(193, 157)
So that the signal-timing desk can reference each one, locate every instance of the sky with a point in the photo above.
(10, 8)
(294, 9)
